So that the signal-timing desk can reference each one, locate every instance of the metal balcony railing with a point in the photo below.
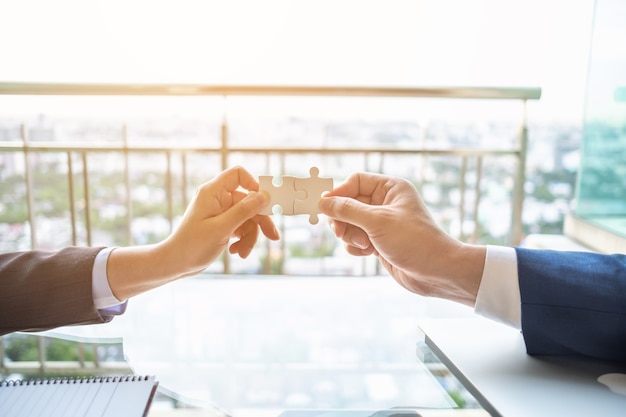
(225, 150)
(88, 360)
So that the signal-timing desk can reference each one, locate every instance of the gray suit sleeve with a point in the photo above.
(41, 290)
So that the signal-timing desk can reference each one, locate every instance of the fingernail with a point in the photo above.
(360, 243)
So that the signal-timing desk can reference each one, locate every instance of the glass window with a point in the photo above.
(601, 193)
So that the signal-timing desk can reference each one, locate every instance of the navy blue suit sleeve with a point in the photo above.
(573, 303)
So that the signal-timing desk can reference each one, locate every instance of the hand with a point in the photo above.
(385, 216)
(220, 210)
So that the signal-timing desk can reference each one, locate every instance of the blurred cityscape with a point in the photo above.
(160, 184)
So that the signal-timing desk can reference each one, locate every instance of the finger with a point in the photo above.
(247, 231)
(351, 235)
(267, 227)
(235, 177)
(242, 230)
(265, 222)
(348, 210)
(355, 236)
(216, 196)
(353, 250)
(359, 184)
(244, 210)
(338, 228)
(248, 234)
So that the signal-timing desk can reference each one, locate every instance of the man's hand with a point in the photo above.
(385, 216)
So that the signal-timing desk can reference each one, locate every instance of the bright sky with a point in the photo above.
(339, 42)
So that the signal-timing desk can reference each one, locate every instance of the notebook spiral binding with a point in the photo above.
(85, 380)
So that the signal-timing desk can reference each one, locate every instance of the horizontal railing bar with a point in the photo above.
(95, 340)
(34, 88)
(66, 367)
(64, 147)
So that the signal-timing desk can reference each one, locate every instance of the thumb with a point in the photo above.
(347, 210)
(247, 208)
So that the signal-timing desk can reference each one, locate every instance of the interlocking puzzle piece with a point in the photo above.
(314, 187)
(282, 195)
(296, 195)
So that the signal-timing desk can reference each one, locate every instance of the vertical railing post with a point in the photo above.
(424, 155)
(28, 178)
(81, 354)
(283, 230)
(520, 179)
(462, 192)
(127, 187)
(96, 358)
(2, 361)
(169, 189)
(477, 196)
(267, 264)
(72, 196)
(86, 197)
(224, 164)
(381, 162)
(224, 136)
(184, 180)
(41, 348)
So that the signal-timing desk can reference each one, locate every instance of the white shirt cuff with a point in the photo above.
(102, 295)
(498, 296)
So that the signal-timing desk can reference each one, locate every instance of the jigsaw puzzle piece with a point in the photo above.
(283, 195)
(314, 188)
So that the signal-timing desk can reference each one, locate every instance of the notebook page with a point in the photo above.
(102, 396)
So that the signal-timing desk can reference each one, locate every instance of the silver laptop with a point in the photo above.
(490, 360)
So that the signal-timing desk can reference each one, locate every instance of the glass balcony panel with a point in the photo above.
(601, 191)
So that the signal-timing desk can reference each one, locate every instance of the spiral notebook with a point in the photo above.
(117, 396)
